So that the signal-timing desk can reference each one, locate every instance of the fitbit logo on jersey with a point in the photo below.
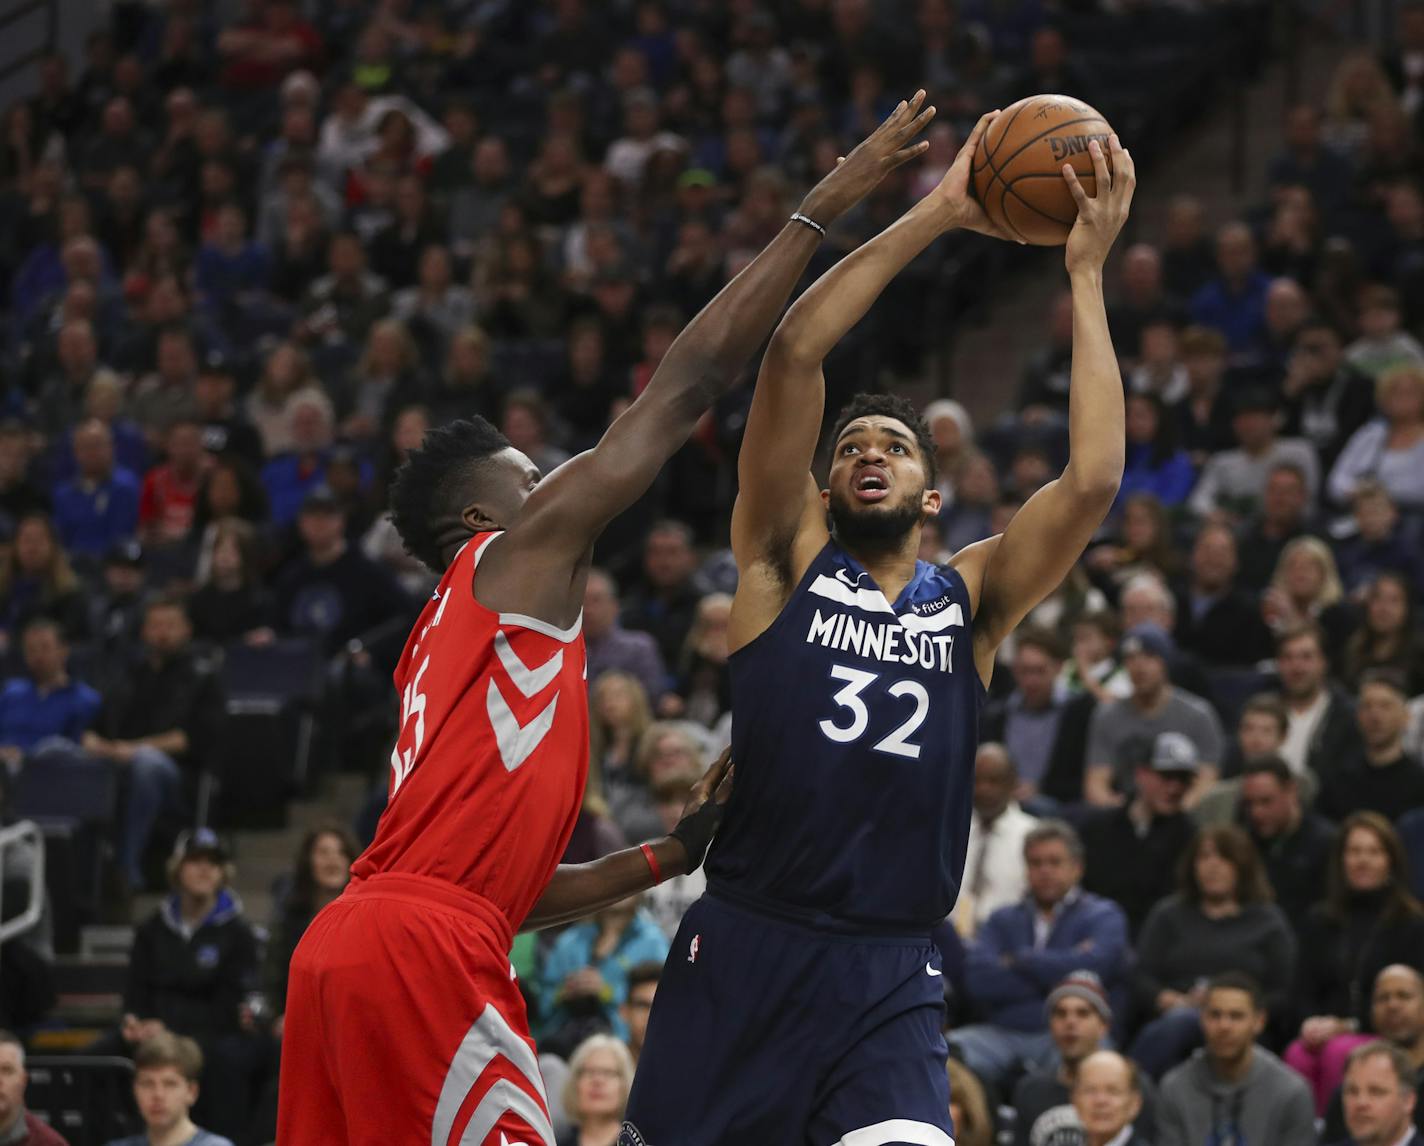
(889, 641)
(930, 608)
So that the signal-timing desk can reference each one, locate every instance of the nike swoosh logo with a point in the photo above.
(931, 971)
(841, 576)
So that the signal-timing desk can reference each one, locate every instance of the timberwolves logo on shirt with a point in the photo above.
(630, 1135)
(1057, 1126)
(207, 956)
(317, 609)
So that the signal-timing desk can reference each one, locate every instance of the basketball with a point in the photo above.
(1018, 171)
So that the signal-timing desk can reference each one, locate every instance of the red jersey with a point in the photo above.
(488, 772)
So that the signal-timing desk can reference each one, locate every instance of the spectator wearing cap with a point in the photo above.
(116, 605)
(158, 720)
(99, 507)
(1233, 1090)
(1367, 921)
(1146, 599)
(170, 489)
(1123, 732)
(1234, 302)
(1381, 776)
(1133, 850)
(1023, 951)
(1321, 730)
(1389, 449)
(994, 874)
(1294, 843)
(45, 703)
(193, 958)
(1380, 1097)
(611, 647)
(1217, 619)
(18, 1127)
(331, 591)
(225, 430)
(1234, 480)
(1079, 1019)
(1323, 397)
(1221, 919)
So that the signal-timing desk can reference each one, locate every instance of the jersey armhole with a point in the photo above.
(520, 620)
(780, 619)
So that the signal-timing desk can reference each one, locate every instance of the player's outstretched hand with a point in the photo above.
(703, 811)
(858, 174)
(1100, 217)
(953, 195)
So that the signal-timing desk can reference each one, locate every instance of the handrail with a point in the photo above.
(26, 831)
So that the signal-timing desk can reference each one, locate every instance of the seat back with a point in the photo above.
(88, 1100)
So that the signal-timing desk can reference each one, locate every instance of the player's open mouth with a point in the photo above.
(871, 484)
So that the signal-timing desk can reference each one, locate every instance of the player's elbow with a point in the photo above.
(1095, 484)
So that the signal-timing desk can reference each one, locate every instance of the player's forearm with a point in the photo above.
(1096, 431)
(707, 357)
(581, 889)
(840, 298)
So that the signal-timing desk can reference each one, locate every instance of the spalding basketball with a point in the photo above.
(1018, 170)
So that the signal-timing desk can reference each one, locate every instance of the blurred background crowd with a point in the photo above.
(251, 249)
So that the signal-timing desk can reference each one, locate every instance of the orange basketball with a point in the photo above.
(1018, 169)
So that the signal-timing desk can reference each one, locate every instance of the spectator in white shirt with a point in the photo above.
(994, 871)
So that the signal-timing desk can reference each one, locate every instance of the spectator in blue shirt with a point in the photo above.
(1155, 464)
(45, 702)
(584, 979)
(1235, 301)
(99, 507)
(1025, 950)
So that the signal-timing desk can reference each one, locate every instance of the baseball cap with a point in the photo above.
(199, 842)
(1254, 400)
(1174, 752)
(215, 362)
(127, 553)
(1085, 985)
(1148, 638)
(320, 499)
(697, 177)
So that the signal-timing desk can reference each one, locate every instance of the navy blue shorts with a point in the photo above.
(767, 1032)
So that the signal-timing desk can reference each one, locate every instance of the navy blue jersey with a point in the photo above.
(855, 724)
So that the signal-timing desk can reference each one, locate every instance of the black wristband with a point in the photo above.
(809, 222)
(695, 832)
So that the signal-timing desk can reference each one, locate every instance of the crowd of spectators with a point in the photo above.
(248, 257)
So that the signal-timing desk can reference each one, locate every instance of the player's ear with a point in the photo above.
(826, 498)
(932, 503)
(477, 519)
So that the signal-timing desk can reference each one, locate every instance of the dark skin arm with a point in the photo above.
(538, 567)
(580, 889)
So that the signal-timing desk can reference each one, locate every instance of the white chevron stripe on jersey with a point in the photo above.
(897, 1130)
(871, 600)
(501, 1099)
(490, 1037)
(527, 680)
(944, 619)
(516, 741)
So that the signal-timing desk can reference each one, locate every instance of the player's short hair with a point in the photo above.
(1051, 830)
(167, 1049)
(1239, 981)
(649, 971)
(1268, 704)
(437, 480)
(891, 406)
(1398, 1059)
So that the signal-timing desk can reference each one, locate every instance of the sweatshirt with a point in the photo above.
(1271, 1106)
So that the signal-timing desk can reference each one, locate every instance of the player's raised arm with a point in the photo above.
(581, 889)
(555, 529)
(1044, 539)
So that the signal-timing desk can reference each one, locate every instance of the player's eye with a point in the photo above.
(897, 448)
(847, 449)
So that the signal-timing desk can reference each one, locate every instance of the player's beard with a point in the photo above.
(875, 528)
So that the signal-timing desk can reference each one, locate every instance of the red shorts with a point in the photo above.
(404, 1024)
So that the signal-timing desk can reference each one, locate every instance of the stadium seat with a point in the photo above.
(87, 1100)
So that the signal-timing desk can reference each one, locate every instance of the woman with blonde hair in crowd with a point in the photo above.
(1358, 87)
(704, 682)
(600, 1078)
(1390, 448)
(387, 378)
(287, 371)
(1305, 587)
(37, 580)
(619, 715)
(968, 1107)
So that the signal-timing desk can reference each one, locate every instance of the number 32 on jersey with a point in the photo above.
(858, 684)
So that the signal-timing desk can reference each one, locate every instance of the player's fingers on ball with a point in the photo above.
(1100, 166)
(979, 129)
(1074, 187)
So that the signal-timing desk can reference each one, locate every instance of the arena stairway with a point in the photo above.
(90, 983)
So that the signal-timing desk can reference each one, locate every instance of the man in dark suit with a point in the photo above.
(1379, 1096)
(1107, 1096)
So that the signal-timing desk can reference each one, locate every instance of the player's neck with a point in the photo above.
(892, 567)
